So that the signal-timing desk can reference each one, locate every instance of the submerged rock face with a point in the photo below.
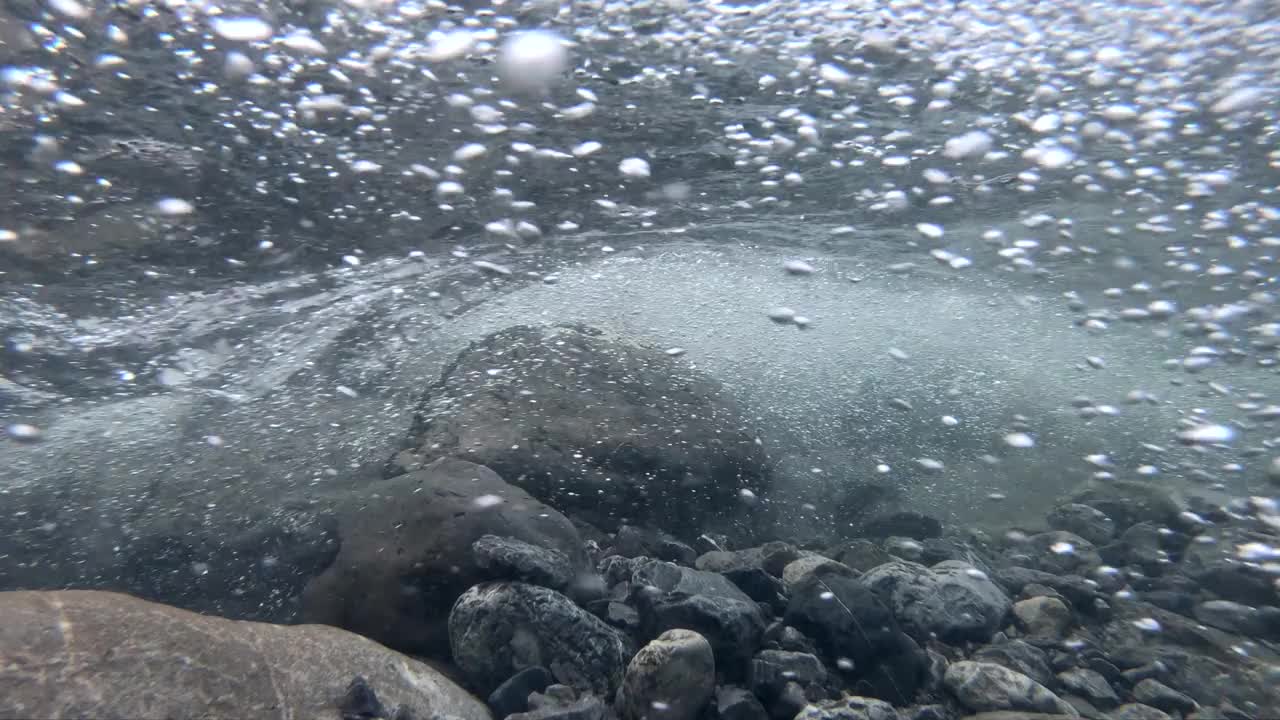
(498, 629)
(408, 552)
(669, 596)
(859, 635)
(599, 428)
(75, 654)
(952, 599)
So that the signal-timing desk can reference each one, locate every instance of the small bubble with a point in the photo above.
(24, 432)
(173, 207)
(1019, 440)
(1147, 624)
(1062, 548)
(828, 595)
(487, 501)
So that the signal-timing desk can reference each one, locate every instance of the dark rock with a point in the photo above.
(670, 596)
(1161, 696)
(1230, 616)
(904, 523)
(631, 541)
(854, 628)
(1143, 546)
(1129, 502)
(1211, 561)
(849, 708)
(760, 586)
(407, 551)
(1171, 600)
(676, 672)
(776, 556)
(735, 703)
(103, 655)
(952, 600)
(788, 638)
(1020, 657)
(641, 437)
(788, 703)
(1061, 553)
(1087, 522)
(620, 615)
(1191, 657)
(496, 629)
(860, 555)
(983, 686)
(1089, 685)
(771, 670)
(512, 559)
(1078, 590)
(941, 549)
(1138, 711)
(512, 696)
(360, 702)
(1042, 617)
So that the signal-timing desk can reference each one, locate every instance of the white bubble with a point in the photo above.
(24, 432)
(242, 29)
(1019, 440)
(675, 351)
(344, 390)
(1054, 158)
(746, 496)
(634, 167)
(1241, 99)
(586, 148)
(797, 267)
(173, 207)
(533, 60)
(828, 595)
(1147, 624)
(70, 8)
(1062, 548)
(491, 267)
(782, 315)
(970, 144)
(487, 501)
(238, 65)
(931, 465)
(304, 43)
(929, 230)
(450, 45)
(1207, 435)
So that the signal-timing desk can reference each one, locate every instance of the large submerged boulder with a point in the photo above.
(78, 654)
(413, 544)
(952, 600)
(601, 429)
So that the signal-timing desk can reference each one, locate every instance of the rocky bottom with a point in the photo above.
(468, 589)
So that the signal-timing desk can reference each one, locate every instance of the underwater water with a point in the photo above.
(401, 316)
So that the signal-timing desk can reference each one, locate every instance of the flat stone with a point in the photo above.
(1158, 695)
(1089, 685)
(985, 686)
(849, 708)
(90, 654)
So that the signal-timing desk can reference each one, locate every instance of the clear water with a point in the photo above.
(1007, 206)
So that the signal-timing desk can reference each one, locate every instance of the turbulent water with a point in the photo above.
(979, 251)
